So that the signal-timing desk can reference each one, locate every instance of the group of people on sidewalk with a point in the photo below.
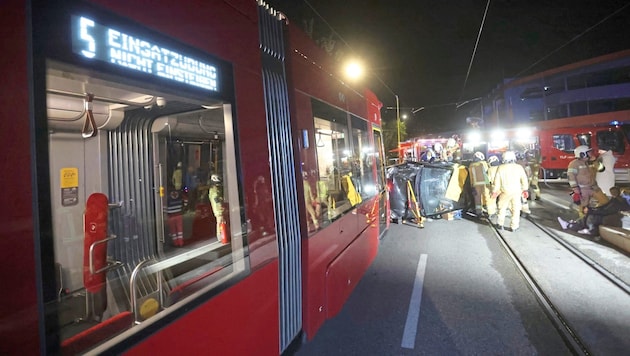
(589, 178)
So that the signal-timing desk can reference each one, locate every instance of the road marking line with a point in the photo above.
(413, 314)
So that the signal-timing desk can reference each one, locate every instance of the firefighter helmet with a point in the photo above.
(493, 160)
(215, 178)
(509, 156)
(478, 156)
(581, 151)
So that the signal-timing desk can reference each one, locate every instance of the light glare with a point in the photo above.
(354, 70)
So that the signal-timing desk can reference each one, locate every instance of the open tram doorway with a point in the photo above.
(189, 149)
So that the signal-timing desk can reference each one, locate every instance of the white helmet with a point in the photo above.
(493, 159)
(581, 151)
(437, 147)
(509, 156)
(479, 156)
(451, 142)
(215, 178)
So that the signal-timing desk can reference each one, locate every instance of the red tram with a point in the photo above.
(187, 178)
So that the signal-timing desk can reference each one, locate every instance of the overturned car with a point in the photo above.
(420, 189)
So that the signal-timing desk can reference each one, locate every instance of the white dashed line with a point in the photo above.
(413, 314)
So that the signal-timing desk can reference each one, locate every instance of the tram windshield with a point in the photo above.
(146, 206)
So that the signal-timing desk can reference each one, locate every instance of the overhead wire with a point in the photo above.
(472, 58)
(346, 43)
(573, 39)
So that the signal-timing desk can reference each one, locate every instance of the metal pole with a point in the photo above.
(398, 126)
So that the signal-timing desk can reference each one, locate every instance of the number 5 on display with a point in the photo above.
(84, 25)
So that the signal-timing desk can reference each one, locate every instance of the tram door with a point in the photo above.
(187, 157)
(383, 205)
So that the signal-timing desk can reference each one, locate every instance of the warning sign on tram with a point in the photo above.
(69, 182)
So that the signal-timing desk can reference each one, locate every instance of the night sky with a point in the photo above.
(422, 50)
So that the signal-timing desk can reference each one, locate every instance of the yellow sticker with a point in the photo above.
(69, 177)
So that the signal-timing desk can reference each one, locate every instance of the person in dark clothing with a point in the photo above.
(607, 214)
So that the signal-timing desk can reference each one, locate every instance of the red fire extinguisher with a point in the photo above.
(224, 237)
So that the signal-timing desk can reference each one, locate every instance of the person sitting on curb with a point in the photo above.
(607, 214)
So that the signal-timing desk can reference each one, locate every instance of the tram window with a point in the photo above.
(336, 189)
(611, 140)
(563, 142)
(156, 189)
(362, 159)
(378, 159)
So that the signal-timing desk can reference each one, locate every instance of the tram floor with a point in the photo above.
(451, 288)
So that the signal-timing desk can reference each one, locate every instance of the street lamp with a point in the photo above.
(353, 70)
(398, 124)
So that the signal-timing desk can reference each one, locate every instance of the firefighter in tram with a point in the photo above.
(478, 172)
(215, 195)
(581, 174)
(510, 185)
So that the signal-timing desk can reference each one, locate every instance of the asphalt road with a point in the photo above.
(451, 289)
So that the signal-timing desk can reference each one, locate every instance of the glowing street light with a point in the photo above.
(354, 70)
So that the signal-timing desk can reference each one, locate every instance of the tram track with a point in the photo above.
(589, 261)
(566, 331)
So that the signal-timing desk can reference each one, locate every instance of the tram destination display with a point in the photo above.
(95, 41)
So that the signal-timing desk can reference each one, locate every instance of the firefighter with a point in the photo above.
(215, 194)
(478, 172)
(452, 149)
(177, 177)
(521, 159)
(581, 175)
(174, 206)
(534, 161)
(510, 185)
(493, 164)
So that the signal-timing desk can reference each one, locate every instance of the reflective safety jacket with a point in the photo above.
(215, 195)
(580, 174)
(478, 173)
(510, 179)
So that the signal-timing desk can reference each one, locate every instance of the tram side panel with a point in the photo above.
(19, 316)
(229, 290)
(338, 168)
